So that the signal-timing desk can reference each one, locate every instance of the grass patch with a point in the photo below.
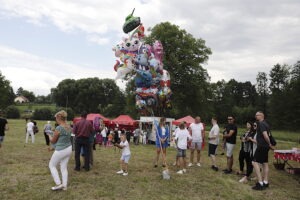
(24, 174)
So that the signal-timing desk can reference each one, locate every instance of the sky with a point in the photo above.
(45, 41)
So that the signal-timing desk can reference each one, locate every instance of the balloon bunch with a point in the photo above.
(143, 62)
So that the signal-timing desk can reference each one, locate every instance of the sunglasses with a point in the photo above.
(229, 119)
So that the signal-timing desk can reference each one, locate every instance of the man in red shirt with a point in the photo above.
(82, 130)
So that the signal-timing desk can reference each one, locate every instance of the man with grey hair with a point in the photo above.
(261, 153)
(47, 129)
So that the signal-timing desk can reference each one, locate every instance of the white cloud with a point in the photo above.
(245, 36)
(97, 39)
(39, 74)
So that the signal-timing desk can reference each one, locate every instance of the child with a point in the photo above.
(182, 136)
(124, 145)
(110, 138)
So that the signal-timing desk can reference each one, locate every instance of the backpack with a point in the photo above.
(96, 124)
(272, 139)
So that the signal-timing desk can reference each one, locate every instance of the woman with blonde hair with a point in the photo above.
(63, 150)
(162, 136)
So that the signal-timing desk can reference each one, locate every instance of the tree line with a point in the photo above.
(277, 93)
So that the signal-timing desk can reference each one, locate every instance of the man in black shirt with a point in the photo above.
(261, 153)
(3, 128)
(230, 141)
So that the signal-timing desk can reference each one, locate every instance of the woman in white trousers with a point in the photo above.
(63, 150)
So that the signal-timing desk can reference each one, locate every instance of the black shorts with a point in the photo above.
(181, 152)
(261, 155)
(212, 148)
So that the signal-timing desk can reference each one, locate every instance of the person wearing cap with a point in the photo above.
(47, 128)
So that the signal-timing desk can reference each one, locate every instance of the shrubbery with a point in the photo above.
(12, 112)
(48, 114)
(43, 114)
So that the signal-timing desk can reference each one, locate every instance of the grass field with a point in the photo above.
(24, 174)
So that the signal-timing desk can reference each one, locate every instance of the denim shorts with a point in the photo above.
(125, 158)
(196, 145)
(1, 139)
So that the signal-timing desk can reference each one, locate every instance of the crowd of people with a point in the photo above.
(83, 136)
(255, 145)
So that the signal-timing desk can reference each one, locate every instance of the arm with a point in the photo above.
(6, 127)
(119, 146)
(53, 139)
(267, 139)
(231, 132)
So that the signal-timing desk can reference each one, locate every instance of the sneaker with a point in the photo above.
(184, 170)
(225, 170)
(190, 164)
(266, 185)
(155, 166)
(64, 188)
(120, 172)
(215, 168)
(243, 180)
(125, 173)
(258, 186)
(222, 154)
(253, 179)
(228, 171)
(198, 164)
(57, 187)
(180, 172)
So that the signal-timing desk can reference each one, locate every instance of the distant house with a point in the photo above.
(21, 99)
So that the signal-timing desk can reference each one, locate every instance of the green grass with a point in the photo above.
(24, 174)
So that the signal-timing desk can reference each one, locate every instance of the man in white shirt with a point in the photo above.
(213, 142)
(197, 132)
(29, 128)
(182, 135)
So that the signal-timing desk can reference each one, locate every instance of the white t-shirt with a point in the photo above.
(174, 133)
(214, 132)
(182, 135)
(163, 131)
(197, 132)
(103, 132)
(125, 150)
(30, 126)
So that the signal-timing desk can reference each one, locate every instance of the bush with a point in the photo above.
(12, 112)
(43, 114)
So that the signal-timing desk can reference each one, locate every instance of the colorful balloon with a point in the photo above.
(144, 63)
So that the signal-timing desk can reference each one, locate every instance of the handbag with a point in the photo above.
(272, 139)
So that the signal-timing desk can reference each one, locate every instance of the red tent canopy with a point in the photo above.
(125, 120)
(187, 119)
(92, 116)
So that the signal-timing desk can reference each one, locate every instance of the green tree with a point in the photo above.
(89, 94)
(184, 56)
(6, 93)
(20, 91)
(262, 90)
(279, 82)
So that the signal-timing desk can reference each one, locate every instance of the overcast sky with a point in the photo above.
(45, 41)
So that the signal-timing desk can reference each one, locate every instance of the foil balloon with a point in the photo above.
(143, 63)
